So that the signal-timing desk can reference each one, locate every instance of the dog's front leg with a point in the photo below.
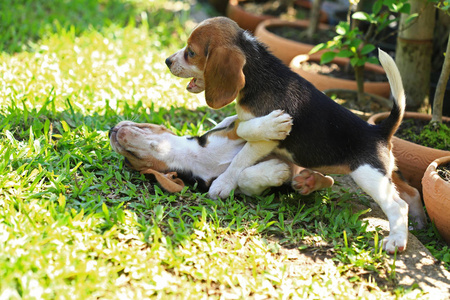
(275, 126)
(248, 156)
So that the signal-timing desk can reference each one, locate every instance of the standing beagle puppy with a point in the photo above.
(154, 149)
(229, 63)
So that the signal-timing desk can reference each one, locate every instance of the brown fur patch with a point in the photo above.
(341, 169)
(402, 185)
(220, 60)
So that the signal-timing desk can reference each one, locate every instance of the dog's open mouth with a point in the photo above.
(192, 84)
(195, 85)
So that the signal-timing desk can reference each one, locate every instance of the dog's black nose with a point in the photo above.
(168, 62)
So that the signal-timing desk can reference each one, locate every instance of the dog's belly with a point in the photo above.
(330, 147)
(322, 165)
(328, 169)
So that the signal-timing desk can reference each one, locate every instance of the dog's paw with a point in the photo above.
(308, 181)
(278, 125)
(396, 241)
(273, 172)
(222, 187)
(279, 172)
(255, 179)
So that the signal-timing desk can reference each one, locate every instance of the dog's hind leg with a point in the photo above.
(412, 197)
(383, 191)
(307, 181)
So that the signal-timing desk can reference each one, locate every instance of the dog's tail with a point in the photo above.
(390, 125)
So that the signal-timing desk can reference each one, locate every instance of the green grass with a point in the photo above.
(434, 135)
(76, 223)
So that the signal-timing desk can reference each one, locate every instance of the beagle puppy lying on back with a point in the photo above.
(154, 149)
(229, 63)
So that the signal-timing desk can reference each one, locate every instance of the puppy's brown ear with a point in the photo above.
(224, 76)
(168, 181)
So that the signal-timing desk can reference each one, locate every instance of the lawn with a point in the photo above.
(76, 223)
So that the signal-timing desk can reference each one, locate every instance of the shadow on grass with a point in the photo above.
(24, 22)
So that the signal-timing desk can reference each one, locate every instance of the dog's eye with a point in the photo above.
(190, 52)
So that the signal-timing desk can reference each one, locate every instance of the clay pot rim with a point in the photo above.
(323, 15)
(275, 22)
(297, 60)
(408, 114)
(235, 3)
(245, 19)
(432, 168)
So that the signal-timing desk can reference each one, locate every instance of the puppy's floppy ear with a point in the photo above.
(224, 76)
(168, 181)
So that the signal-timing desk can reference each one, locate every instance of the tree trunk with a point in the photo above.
(438, 101)
(413, 54)
(314, 18)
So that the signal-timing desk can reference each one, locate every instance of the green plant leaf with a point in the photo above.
(342, 28)
(373, 60)
(105, 211)
(345, 53)
(65, 126)
(355, 43)
(394, 7)
(376, 8)
(411, 17)
(327, 57)
(362, 16)
(367, 49)
(318, 47)
(405, 8)
(354, 61)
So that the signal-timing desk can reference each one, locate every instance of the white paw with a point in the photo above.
(395, 241)
(222, 187)
(256, 179)
(277, 172)
(278, 125)
(270, 173)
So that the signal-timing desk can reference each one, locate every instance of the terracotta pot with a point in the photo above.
(436, 195)
(283, 48)
(324, 82)
(245, 20)
(412, 159)
(250, 21)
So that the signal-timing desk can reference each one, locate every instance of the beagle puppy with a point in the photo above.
(154, 149)
(229, 63)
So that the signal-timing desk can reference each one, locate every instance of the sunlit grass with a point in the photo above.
(76, 223)
(94, 69)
